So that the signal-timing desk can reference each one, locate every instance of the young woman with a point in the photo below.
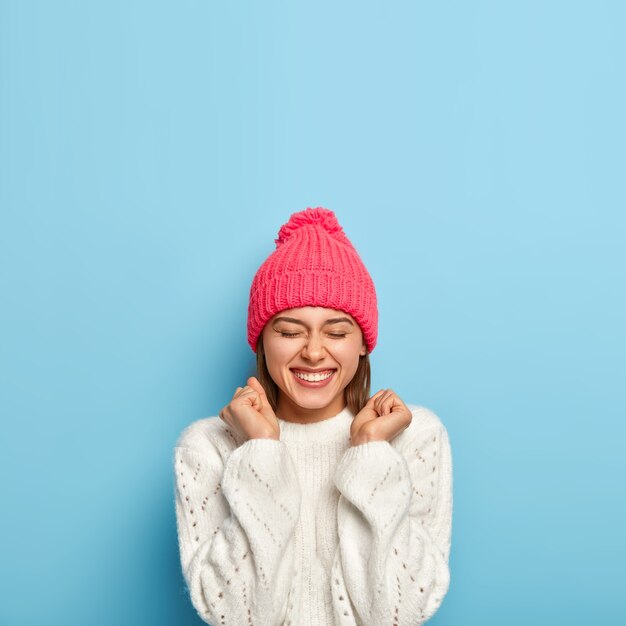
(309, 503)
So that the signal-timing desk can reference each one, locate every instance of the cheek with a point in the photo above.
(348, 354)
(277, 355)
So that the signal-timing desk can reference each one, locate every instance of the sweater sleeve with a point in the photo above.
(235, 524)
(394, 523)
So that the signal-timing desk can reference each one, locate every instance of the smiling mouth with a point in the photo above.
(313, 377)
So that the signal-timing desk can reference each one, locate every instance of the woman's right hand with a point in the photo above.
(250, 414)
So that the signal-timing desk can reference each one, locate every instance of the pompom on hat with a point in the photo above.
(314, 264)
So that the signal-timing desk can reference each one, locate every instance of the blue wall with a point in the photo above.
(475, 154)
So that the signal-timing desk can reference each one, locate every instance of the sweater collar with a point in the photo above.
(328, 430)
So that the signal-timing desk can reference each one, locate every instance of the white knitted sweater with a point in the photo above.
(310, 531)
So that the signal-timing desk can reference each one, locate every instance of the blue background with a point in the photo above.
(475, 154)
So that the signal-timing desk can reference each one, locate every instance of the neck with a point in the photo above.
(289, 411)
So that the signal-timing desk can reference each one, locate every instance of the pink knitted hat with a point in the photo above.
(314, 264)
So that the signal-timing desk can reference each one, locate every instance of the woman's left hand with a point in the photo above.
(382, 418)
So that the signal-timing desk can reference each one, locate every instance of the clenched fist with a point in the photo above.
(382, 418)
(250, 414)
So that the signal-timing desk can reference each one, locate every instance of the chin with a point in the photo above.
(316, 399)
(313, 403)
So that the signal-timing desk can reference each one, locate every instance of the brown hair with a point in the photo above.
(356, 393)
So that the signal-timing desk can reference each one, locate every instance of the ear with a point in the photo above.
(363, 350)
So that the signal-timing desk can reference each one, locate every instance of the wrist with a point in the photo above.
(359, 441)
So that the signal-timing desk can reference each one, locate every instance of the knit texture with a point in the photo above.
(310, 531)
(314, 264)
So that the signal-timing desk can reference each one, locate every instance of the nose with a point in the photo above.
(313, 349)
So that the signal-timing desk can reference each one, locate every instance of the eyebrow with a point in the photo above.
(332, 320)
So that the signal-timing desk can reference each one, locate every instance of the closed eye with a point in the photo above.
(334, 335)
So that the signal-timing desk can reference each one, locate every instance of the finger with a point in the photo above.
(249, 392)
(367, 413)
(254, 383)
(388, 402)
(372, 401)
(395, 404)
(266, 409)
(382, 402)
(224, 415)
(245, 391)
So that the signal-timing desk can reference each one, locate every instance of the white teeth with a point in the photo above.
(313, 378)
